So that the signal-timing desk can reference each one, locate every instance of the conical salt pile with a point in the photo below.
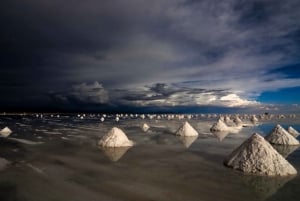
(257, 156)
(292, 131)
(253, 119)
(280, 136)
(145, 127)
(5, 132)
(186, 130)
(237, 121)
(115, 138)
(219, 126)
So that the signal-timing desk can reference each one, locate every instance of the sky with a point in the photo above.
(149, 56)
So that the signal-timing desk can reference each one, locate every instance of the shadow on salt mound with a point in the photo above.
(115, 153)
(265, 187)
(187, 141)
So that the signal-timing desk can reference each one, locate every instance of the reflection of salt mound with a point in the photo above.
(3, 163)
(187, 141)
(220, 134)
(219, 126)
(280, 136)
(292, 131)
(145, 127)
(186, 130)
(115, 153)
(115, 138)
(264, 187)
(285, 150)
(5, 132)
(257, 156)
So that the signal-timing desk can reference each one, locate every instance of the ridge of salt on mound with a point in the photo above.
(5, 132)
(186, 130)
(115, 138)
(280, 136)
(257, 156)
(293, 131)
(145, 127)
(219, 126)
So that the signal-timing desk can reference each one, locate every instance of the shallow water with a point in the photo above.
(66, 164)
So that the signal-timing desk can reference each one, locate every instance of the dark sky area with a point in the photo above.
(149, 56)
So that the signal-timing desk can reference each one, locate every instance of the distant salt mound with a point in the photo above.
(238, 121)
(292, 131)
(5, 132)
(280, 136)
(219, 126)
(186, 130)
(145, 127)
(257, 156)
(253, 119)
(115, 138)
(228, 121)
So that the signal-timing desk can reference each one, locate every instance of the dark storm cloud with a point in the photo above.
(82, 94)
(191, 47)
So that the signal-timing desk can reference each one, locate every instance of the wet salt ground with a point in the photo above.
(70, 166)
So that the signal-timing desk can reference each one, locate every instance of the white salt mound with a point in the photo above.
(237, 121)
(257, 156)
(292, 131)
(253, 119)
(280, 136)
(145, 127)
(186, 130)
(219, 126)
(115, 138)
(5, 132)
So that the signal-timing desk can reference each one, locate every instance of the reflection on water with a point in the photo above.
(157, 168)
(187, 141)
(285, 150)
(115, 153)
(264, 187)
(220, 134)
